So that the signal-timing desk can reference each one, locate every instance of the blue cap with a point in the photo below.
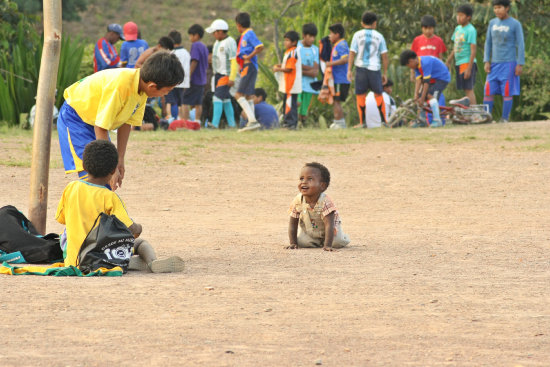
(114, 27)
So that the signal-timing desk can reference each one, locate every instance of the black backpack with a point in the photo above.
(108, 244)
(20, 242)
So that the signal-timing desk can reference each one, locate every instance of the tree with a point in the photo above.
(262, 13)
(70, 9)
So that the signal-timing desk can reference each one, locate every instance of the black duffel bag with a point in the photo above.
(19, 236)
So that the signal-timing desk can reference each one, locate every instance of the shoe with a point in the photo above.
(465, 101)
(358, 126)
(436, 123)
(504, 121)
(293, 128)
(210, 125)
(172, 264)
(137, 263)
(164, 125)
(252, 125)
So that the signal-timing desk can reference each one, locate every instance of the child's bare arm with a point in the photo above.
(136, 229)
(193, 66)
(450, 59)
(310, 70)
(329, 231)
(293, 233)
(342, 61)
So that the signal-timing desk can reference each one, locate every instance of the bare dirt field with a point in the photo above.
(449, 263)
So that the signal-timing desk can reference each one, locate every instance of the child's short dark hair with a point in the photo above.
(427, 21)
(338, 28)
(162, 68)
(166, 43)
(260, 92)
(175, 36)
(389, 83)
(292, 35)
(309, 29)
(465, 9)
(100, 158)
(368, 18)
(505, 3)
(243, 19)
(406, 56)
(196, 29)
(325, 174)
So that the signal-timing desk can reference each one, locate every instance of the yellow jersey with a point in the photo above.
(108, 98)
(78, 209)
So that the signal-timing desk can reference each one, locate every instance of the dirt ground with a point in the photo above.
(448, 266)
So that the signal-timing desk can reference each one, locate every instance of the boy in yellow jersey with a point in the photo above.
(110, 100)
(82, 202)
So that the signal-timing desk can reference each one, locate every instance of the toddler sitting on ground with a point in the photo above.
(314, 220)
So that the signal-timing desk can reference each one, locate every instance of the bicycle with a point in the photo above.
(459, 112)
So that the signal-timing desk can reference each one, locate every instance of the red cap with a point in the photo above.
(130, 31)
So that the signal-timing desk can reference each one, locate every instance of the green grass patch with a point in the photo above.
(539, 147)
(15, 162)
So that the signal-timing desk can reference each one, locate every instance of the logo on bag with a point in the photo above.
(121, 252)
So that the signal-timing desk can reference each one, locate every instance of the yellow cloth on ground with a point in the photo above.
(79, 207)
(108, 99)
(57, 269)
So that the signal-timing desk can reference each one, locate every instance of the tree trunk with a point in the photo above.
(45, 99)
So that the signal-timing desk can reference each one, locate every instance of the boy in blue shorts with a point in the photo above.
(133, 47)
(369, 46)
(504, 58)
(339, 65)
(111, 100)
(464, 52)
(427, 68)
(247, 60)
(193, 95)
(309, 56)
(224, 53)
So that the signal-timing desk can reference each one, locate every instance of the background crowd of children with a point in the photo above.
(220, 81)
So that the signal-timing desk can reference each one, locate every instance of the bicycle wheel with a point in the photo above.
(481, 118)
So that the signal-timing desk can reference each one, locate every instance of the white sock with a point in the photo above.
(247, 110)
(251, 103)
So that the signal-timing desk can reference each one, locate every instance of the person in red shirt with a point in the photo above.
(428, 44)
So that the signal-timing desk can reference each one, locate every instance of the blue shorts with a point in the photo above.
(502, 80)
(222, 86)
(74, 135)
(342, 92)
(436, 89)
(248, 79)
(465, 84)
(366, 80)
(175, 97)
(193, 95)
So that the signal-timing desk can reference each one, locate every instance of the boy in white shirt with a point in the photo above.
(224, 53)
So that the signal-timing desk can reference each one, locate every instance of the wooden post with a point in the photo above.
(41, 143)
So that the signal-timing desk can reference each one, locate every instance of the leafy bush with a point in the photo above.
(19, 82)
